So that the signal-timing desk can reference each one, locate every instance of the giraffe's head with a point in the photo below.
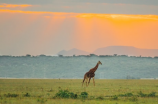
(99, 63)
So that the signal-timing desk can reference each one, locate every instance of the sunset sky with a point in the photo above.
(48, 26)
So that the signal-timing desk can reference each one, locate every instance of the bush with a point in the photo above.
(152, 94)
(62, 94)
(72, 95)
(65, 94)
(141, 94)
(84, 95)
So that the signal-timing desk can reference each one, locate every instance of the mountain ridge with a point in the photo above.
(111, 50)
(126, 50)
(73, 51)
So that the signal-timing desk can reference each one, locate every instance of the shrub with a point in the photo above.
(84, 95)
(65, 94)
(72, 95)
(62, 94)
(152, 94)
(141, 94)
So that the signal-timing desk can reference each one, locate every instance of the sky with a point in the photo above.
(48, 26)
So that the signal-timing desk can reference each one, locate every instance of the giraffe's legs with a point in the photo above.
(85, 78)
(93, 81)
(83, 81)
(89, 80)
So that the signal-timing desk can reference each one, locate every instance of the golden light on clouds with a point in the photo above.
(86, 31)
(118, 16)
(86, 15)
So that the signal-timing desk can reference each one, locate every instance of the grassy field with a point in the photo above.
(44, 91)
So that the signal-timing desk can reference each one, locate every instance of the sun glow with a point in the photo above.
(84, 31)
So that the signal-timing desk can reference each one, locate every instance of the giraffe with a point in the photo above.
(90, 74)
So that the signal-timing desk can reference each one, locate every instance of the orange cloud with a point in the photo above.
(117, 16)
(45, 14)
(14, 5)
(86, 31)
(123, 17)
(36, 12)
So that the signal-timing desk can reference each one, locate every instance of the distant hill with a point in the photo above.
(72, 52)
(111, 50)
(126, 50)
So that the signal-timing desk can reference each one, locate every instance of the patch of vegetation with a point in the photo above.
(84, 95)
(27, 95)
(152, 94)
(42, 100)
(20, 92)
(126, 95)
(100, 98)
(11, 95)
(115, 97)
(141, 94)
(65, 94)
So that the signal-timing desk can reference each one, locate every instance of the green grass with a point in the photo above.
(44, 91)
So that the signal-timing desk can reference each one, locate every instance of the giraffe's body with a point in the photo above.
(90, 74)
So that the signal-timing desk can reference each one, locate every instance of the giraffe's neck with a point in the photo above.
(95, 68)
